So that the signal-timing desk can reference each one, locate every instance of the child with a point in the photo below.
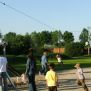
(80, 77)
(51, 78)
(59, 59)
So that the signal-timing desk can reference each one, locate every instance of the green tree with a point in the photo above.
(45, 37)
(10, 37)
(56, 36)
(74, 49)
(11, 40)
(68, 37)
(27, 41)
(19, 43)
(84, 36)
(36, 39)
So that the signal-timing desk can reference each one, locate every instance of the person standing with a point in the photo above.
(44, 62)
(80, 77)
(51, 78)
(30, 70)
(3, 75)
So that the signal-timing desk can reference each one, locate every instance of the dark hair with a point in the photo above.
(30, 53)
(52, 65)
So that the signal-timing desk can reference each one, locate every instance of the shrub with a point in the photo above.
(74, 49)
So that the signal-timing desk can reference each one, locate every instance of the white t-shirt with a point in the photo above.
(80, 73)
(3, 63)
(59, 59)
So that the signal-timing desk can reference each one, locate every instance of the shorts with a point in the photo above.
(52, 88)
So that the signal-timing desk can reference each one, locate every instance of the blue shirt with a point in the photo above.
(44, 60)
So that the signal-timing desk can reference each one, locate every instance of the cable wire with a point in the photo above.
(23, 13)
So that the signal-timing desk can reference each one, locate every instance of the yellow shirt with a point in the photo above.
(51, 78)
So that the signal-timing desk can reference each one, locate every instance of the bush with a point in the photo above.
(74, 49)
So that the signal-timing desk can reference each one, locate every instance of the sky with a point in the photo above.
(40, 15)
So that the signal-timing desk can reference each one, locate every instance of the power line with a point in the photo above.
(30, 17)
(23, 13)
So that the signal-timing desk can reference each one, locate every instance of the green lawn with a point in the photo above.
(19, 63)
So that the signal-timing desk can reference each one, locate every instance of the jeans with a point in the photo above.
(3, 78)
(44, 68)
(32, 85)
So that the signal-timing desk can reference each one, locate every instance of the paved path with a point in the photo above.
(67, 81)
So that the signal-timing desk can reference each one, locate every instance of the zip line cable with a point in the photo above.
(30, 17)
(23, 13)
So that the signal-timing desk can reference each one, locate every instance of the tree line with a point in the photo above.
(18, 44)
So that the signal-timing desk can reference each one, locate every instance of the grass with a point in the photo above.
(69, 64)
(19, 63)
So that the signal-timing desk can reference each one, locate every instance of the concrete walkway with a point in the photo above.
(67, 81)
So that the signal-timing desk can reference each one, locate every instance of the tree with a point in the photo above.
(84, 36)
(68, 37)
(10, 37)
(27, 41)
(74, 49)
(11, 40)
(19, 43)
(36, 39)
(36, 42)
(56, 36)
(45, 37)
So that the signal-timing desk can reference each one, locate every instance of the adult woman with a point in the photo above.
(30, 70)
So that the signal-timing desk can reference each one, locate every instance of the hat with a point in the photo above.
(77, 65)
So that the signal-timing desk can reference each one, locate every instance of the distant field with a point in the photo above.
(19, 63)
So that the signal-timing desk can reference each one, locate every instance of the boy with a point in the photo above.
(51, 78)
(44, 62)
(80, 77)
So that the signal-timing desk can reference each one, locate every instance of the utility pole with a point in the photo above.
(89, 28)
(0, 34)
(59, 41)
